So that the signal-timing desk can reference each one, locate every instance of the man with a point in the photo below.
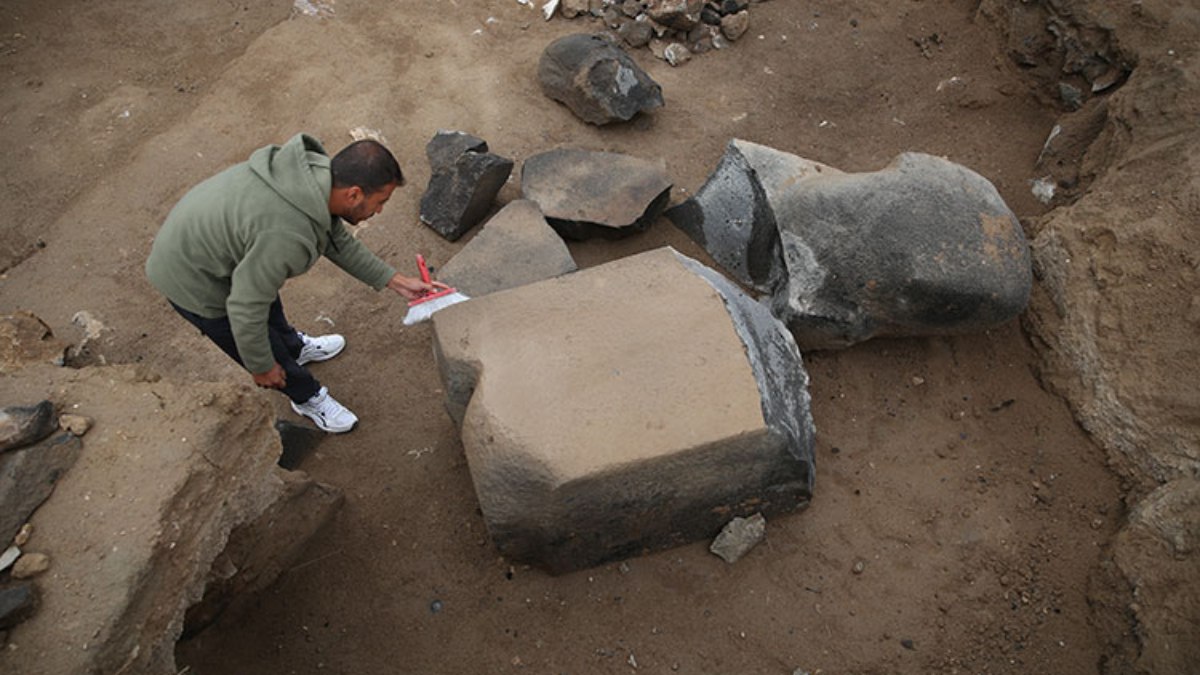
(228, 246)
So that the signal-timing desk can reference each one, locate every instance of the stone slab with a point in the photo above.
(513, 248)
(626, 408)
(586, 194)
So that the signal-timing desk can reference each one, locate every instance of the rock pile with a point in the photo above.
(674, 30)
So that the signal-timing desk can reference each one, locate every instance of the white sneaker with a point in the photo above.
(320, 348)
(326, 413)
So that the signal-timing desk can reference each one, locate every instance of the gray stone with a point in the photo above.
(460, 195)
(636, 33)
(446, 146)
(732, 217)
(515, 247)
(680, 15)
(30, 565)
(922, 247)
(626, 408)
(586, 194)
(573, 8)
(734, 26)
(25, 425)
(17, 603)
(738, 537)
(28, 476)
(596, 79)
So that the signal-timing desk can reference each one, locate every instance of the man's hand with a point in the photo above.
(274, 378)
(412, 288)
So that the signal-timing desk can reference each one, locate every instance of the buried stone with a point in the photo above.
(623, 409)
(596, 79)
(586, 194)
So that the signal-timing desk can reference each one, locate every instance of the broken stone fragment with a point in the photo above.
(626, 408)
(28, 476)
(515, 247)
(75, 424)
(30, 565)
(732, 217)
(635, 33)
(734, 26)
(586, 194)
(922, 247)
(446, 146)
(738, 537)
(25, 425)
(680, 15)
(462, 187)
(596, 79)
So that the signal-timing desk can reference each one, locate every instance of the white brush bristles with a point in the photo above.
(422, 311)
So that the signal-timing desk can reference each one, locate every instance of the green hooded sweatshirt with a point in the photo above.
(230, 243)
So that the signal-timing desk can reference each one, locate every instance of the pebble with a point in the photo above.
(30, 565)
(859, 566)
(75, 424)
(435, 606)
(22, 537)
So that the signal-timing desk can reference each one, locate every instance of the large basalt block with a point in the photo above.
(732, 216)
(626, 408)
(586, 194)
(922, 247)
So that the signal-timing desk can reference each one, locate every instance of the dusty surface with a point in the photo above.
(979, 511)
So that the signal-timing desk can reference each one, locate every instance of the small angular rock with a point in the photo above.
(734, 26)
(680, 15)
(30, 565)
(460, 195)
(26, 425)
(75, 424)
(586, 194)
(26, 339)
(738, 537)
(596, 79)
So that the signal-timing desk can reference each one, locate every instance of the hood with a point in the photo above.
(299, 171)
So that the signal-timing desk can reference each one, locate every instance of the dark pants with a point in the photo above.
(286, 344)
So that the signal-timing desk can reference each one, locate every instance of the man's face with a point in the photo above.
(369, 204)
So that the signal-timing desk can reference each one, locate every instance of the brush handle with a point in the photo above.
(423, 268)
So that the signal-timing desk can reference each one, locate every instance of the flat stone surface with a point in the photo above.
(621, 409)
(24, 338)
(586, 194)
(515, 247)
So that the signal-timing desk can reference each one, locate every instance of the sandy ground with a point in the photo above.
(978, 509)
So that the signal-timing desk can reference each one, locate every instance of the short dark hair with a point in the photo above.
(366, 164)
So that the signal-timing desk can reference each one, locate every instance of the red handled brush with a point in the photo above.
(423, 307)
